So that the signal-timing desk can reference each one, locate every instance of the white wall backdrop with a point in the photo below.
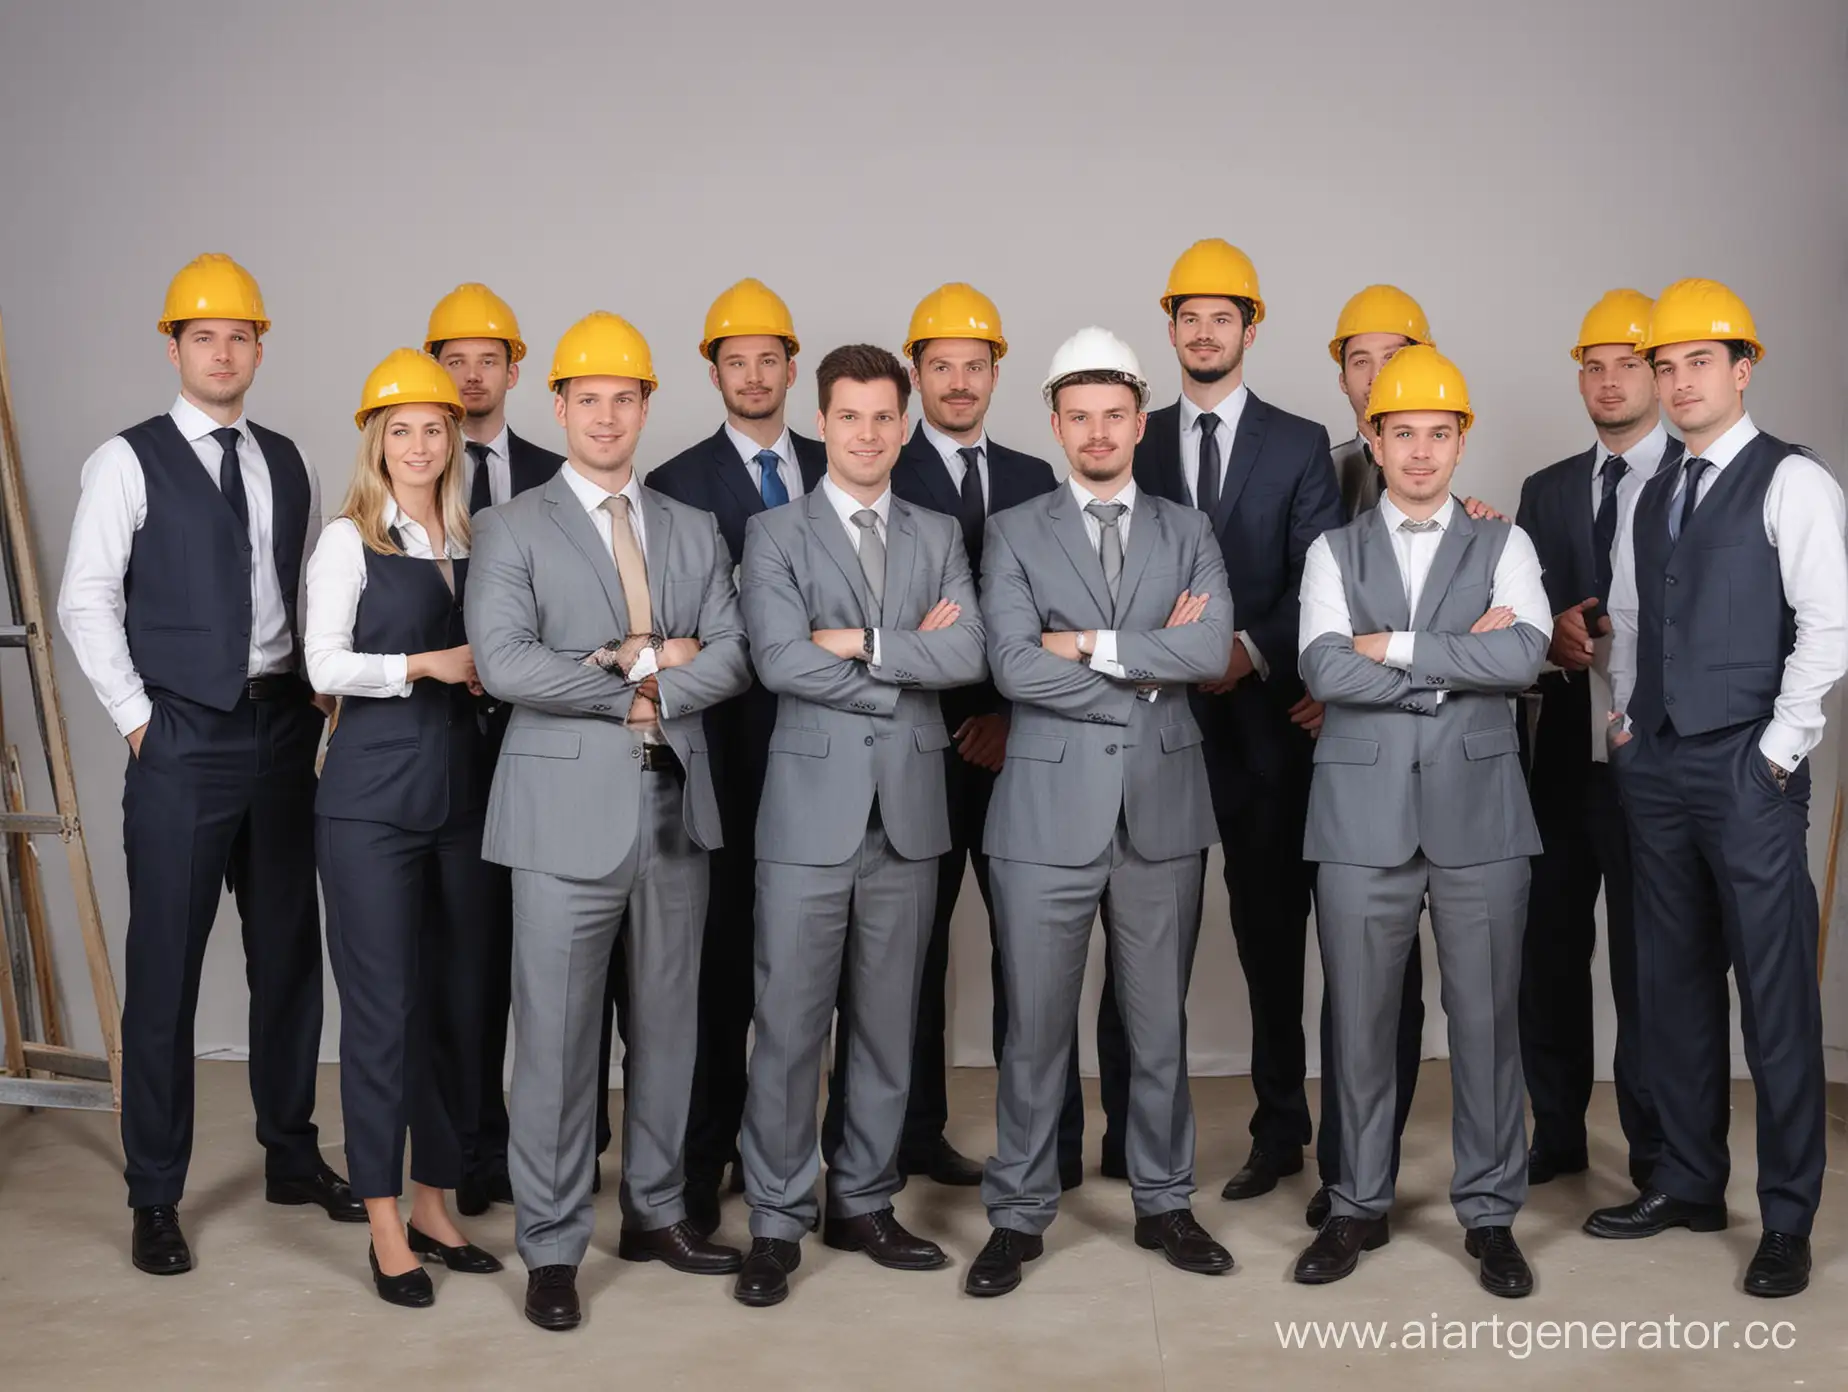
(1505, 164)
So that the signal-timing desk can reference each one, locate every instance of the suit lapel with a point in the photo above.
(1162, 444)
(1456, 541)
(1247, 445)
(827, 525)
(575, 523)
(935, 475)
(1146, 534)
(732, 473)
(1580, 516)
(901, 556)
(1068, 526)
(658, 522)
(1383, 560)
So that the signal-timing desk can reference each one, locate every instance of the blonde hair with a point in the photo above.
(365, 499)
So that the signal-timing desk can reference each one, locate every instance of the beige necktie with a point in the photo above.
(632, 570)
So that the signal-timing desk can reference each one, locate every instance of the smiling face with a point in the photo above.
(482, 371)
(753, 373)
(603, 419)
(1702, 387)
(1418, 452)
(864, 429)
(1098, 425)
(416, 446)
(1209, 337)
(217, 359)
(955, 378)
(1362, 357)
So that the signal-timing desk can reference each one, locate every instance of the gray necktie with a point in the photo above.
(1428, 525)
(872, 552)
(1109, 541)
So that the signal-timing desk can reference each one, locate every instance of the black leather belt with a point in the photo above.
(660, 758)
(281, 687)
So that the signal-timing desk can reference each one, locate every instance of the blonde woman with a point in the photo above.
(398, 817)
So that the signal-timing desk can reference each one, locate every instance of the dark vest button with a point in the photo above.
(1669, 579)
(1669, 621)
(1668, 700)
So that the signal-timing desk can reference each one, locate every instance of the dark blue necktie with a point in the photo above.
(770, 480)
(479, 495)
(973, 511)
(231, 476)
(1604, 525)
(1692, 469)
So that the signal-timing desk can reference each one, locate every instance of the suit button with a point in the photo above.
(1668, 700)
(685, 707)
(1109, 749)
(1669, 578)
(1668, 657)
(1414, 766)
(636, 752)
(869, 739)
(1669, 622)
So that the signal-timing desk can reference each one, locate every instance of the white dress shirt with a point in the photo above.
(336, 580)
(1229, 411)
(785, 450)
(1516, 584)
(952, 461)
(500, 469)
(1803, 519)
(111, 507)
(592, 496)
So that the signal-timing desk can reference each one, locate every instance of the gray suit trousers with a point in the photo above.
(1367, 919)
(1043, 918)
(868, 917)
(563, 934)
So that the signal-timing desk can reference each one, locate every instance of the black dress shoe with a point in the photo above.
(682, 1247)
(1184, 1242)
(943, 1163)
(883, 1238)
(412, 1290)
(702, 1203)
(1337, 1248)
(996, 1270)
(481, 1188)
(1321, 1204)
(1655, 1212)
(552, 1298)
(1070, 1176)
(1262, 1169)
(1780, 1266)
(159, 1247)
(1503, 1270)
(468, 1258)
(324, 1189)
(1544, 1167)
(764, 1277)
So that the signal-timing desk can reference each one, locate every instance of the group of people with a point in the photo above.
(714, 747)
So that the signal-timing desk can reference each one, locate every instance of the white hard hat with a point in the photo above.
(1096, 350)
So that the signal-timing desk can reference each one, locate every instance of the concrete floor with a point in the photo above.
(281, 1297)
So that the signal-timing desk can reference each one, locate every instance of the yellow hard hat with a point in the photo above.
(1214, 267)
(213, 286)
(749, 307)
(1379, 309)
(474, 311)
(1693, 310)
(406, 378)
(956, 310)
(1419, 378)
(1619, 316)
(602, 344)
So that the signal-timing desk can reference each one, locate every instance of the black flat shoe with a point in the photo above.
(412, 1290)
(1188, 1246)
(159, 1247)
(1655, 1212)
(1337, 1247)
(1503, 1270)
(1321, 1204)
(1544, 1167)
(479, 1190)
(1780, 1266)
(1261, 1171)
(552, 1298)
(996, 1271)
(763, 1280)
(324, 1189)
(468, 1258)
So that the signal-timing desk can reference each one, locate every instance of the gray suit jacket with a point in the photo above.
(543, 592)
(1396, 770)
(1082, 747)
(845, 730)
(1359, 477)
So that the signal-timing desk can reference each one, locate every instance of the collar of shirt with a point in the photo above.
(784, 449)
(1229, 411)
(591, 495)
(1084, 495)
(195, 425)
(1726, 449)
(415, 539)
(947, 448)
(499, 447)
(845, 506)
(1643, 458)
(1392, 517)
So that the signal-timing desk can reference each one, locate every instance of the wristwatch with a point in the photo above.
(1084, 654)
(866, 643)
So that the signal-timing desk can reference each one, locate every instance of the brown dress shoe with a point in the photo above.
(883, 1238)
(682, 1247)
(1185, 1243)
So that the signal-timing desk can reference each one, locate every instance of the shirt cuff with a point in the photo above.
(1104, 655)
(1784, 746)
(1400, 649)
(643, 667)
(397, 673)
(132, 712)
(875, 662)
(1258, 664)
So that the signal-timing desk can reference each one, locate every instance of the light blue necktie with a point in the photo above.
(769, 480)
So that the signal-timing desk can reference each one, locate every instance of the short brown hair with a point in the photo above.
(861, 362)
(1247, 308)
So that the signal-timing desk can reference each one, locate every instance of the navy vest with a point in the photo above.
(413, 762)
(1713, 626)
(188, 581)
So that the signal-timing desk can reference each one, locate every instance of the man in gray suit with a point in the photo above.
(605, 614)
(860, 608)
(1420, 625)
(1102, 604)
